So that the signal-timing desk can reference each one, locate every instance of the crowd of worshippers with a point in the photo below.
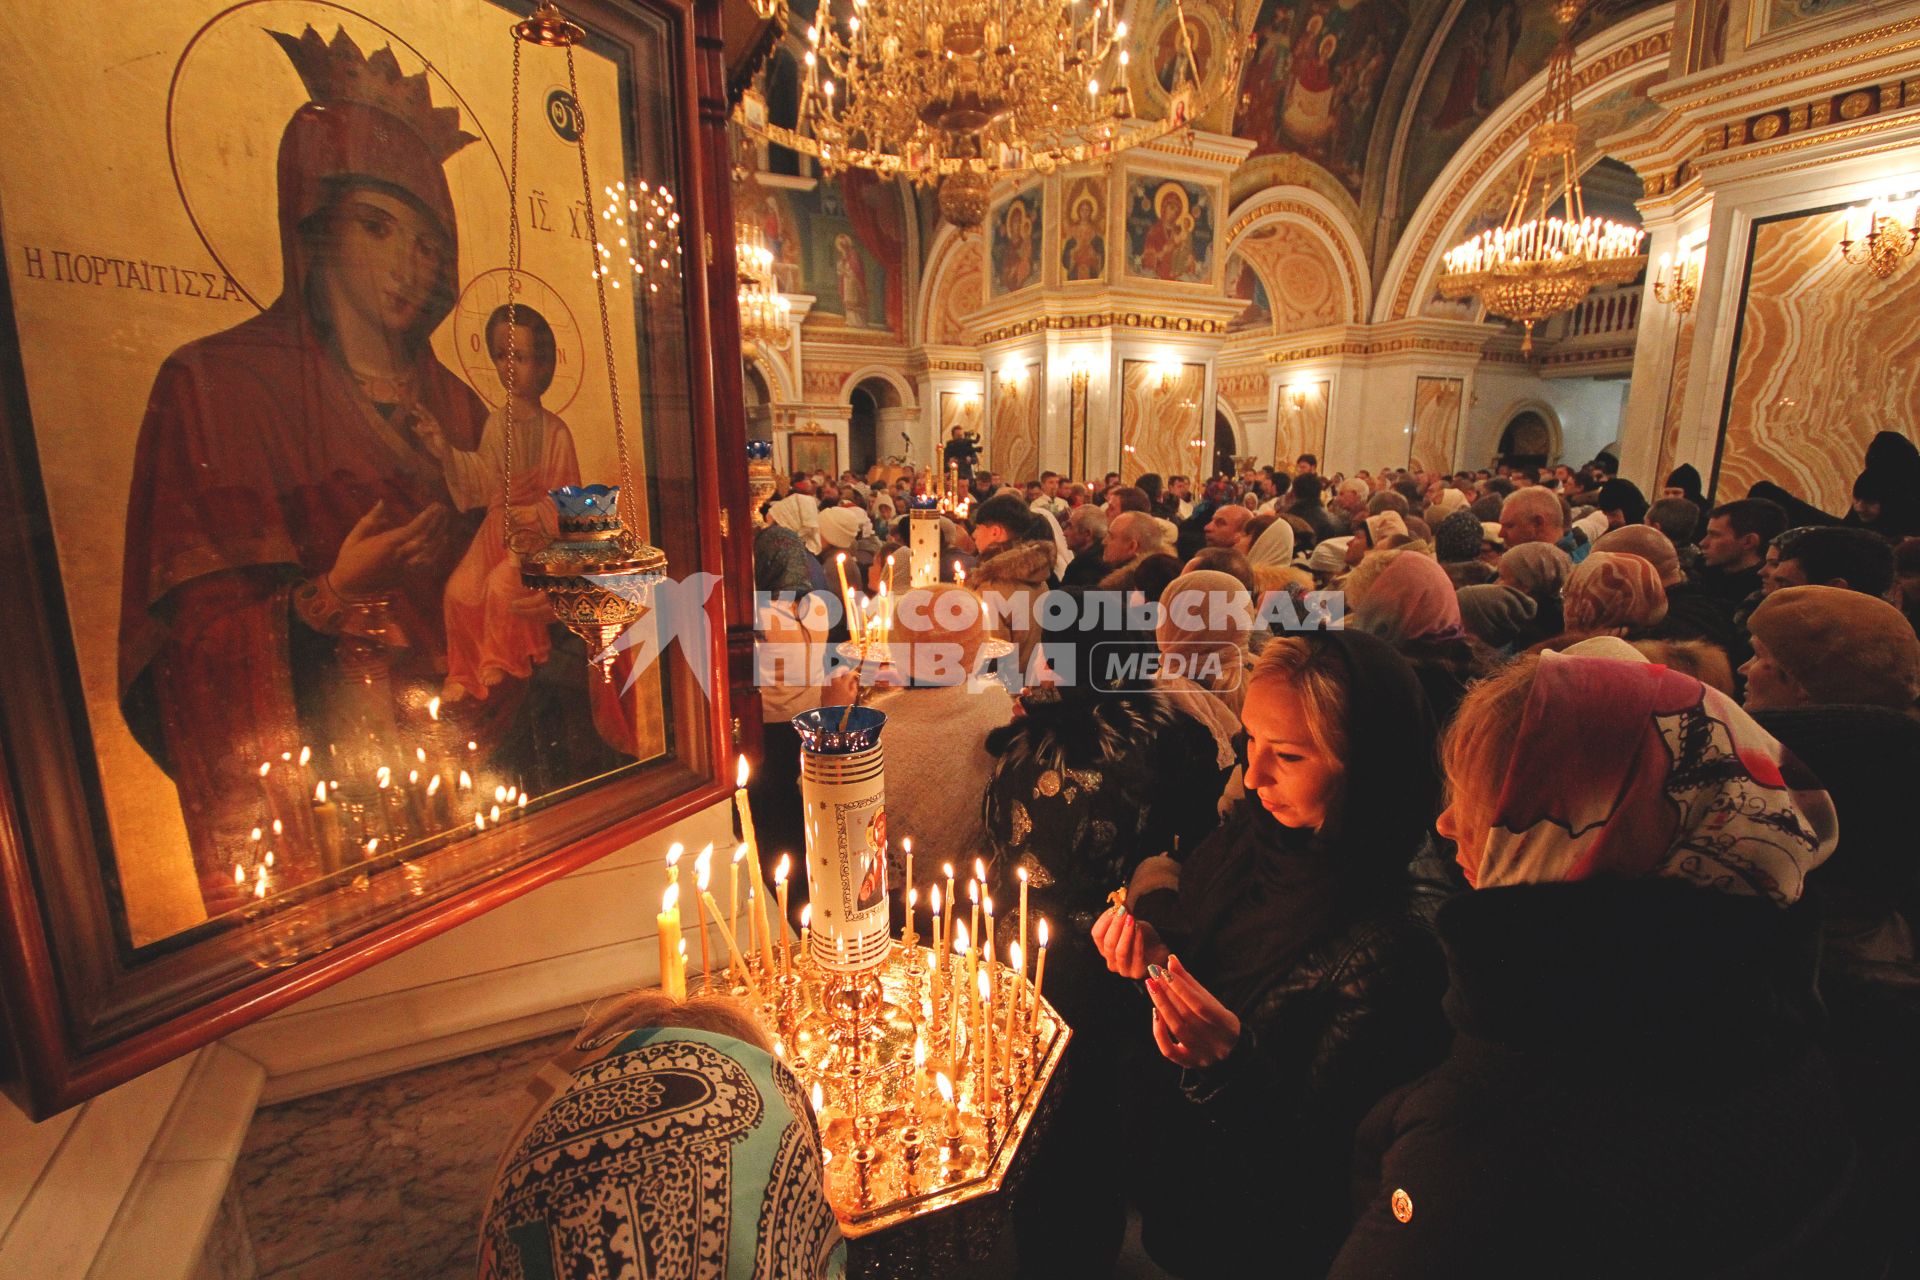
(1545, 908)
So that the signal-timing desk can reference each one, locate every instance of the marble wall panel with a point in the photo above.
(1302, 427)
(1436, 423)
(1826, 355)
(1669, 456)
(1159, 422)
(1016, 425)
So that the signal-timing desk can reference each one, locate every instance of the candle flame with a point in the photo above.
(806, 916)
(819, 1099)
(906, 845)
(260, 888)
(372, 846)
(920, 1051)
(740, 769)
(670, 900)
(973, 891)
(306, 754)
(268, 860)
(948, 868)
(472, 745)
(433, 784)
(1043, 933)
(493, 814)
(739, 852)
(513, 794)
(913, 898)
(780, 872)
(1015, 957)
(255, 835)
(433, 707)
(979, 870)
(499, 795)
(674, 851)
(413, 777)
(780, 1048)
(239, 874)
(521, 803)
(277, 828)
(287, 756)
(986, 906)
(936, 899)
(420, 754)
(479, 820)
(1022, 873)
(266, 767)
(384, 774)
(466, 780)
(703, 871)
(944, 1085)
(959, 938)
(986, 986)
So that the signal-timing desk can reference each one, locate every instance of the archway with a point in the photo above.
(1526, 440)
(1224, 447)
(876, 403)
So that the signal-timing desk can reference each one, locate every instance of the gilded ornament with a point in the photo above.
(1856, 104)
(1768, 126)
(1402, 1205)
(1049, 784)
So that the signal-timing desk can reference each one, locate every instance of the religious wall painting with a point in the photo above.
(1083, 237)
(1013, 247)
(1771, 17)
(1493, 48)
(957, 297)
(300, 657)
(1313, 83)
(1244, 283)
(852, 231)
(1170, 229)
(772, 212)
(1435, 433)
(814, 453)
(1814, 334)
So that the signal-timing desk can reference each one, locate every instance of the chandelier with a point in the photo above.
(765, 313)
(963, 91)
(1534, 265)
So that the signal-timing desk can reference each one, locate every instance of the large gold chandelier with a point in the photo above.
(969, 90)
(1534, 265)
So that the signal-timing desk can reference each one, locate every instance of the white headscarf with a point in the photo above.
(1061, 556)
(1274, 547)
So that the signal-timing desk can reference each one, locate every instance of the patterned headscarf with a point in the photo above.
(1409, 600)
(1614, 591)
(779, 561)
(675, 1152)
(1628, 769)
(1207, 616)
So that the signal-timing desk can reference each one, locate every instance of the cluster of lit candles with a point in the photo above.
(954, 498)
(869, 618)
(382, 811)
(964, 999)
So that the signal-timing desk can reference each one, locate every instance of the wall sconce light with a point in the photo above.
(1014, 373)
(1168, 374)
(1297, 394)
(1875, 239)
(1678, 281)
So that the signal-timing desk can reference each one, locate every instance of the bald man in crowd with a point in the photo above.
(1225, 529)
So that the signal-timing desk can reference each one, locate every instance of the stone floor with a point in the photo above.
(387, 1180)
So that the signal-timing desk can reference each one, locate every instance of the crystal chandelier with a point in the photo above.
(968, 90)
(1534, 265)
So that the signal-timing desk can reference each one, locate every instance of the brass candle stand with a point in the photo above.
(915, 1177)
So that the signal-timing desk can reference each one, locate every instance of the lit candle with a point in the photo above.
(950, 1113)
(1017, 966)
(960, 948)
(846, 594)
(333, 835)
(671, 980)
(913, 904)
(986, 1031)
(702, 871)
(674, 850)
(986, 921)
(906, 845)
(780, 888)
(919, 1067)
(744, 810)
(756, 908)
(973, 909)
(1018, 955)
(938, 937)
(1039, 978)
(806, 933)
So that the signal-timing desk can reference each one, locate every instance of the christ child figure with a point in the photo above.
(496, 626)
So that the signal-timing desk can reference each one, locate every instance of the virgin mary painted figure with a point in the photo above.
(288, 534)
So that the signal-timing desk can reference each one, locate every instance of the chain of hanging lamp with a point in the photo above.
(1535, 265)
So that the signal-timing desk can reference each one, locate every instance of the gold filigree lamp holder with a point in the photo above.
(1534, 265)
(598, 573)
(1876, 240)
(1678, 283)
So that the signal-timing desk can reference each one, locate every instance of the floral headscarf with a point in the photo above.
(1614, 590)
(1628, 769)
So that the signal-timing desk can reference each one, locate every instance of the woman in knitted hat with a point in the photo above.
(1815, 646)
(1457, 542)
(1634, 1087)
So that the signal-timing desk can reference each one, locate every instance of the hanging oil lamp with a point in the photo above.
(598, 572)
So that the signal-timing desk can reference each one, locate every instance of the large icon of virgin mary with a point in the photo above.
(289, 532)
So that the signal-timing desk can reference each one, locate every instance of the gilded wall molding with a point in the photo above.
(1349, 265)
(1103, 320)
